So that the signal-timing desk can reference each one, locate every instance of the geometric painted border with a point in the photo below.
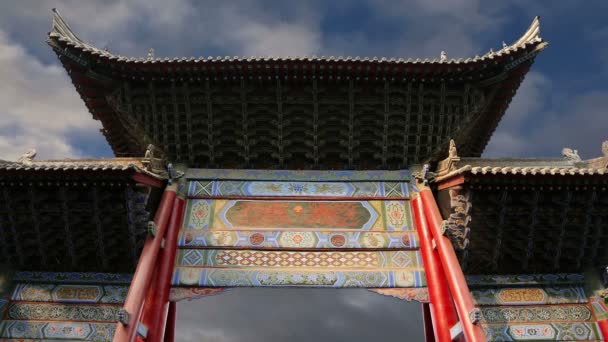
(524, 279)
(63, 312)
(262, 277)
(58, 330)
(74, 293)
(569, 294)
(71, 277)
(536, 314)
(299, 175)
(577, 331)
(210, 189)
(306, 260)
(289, 239)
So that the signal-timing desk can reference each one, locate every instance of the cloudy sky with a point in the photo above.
(562, 102)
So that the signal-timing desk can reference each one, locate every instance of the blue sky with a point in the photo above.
(562, 102)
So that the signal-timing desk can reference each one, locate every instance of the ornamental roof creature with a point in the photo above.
(605, 148)
(452, 153)
(27, 156)
(571, 155)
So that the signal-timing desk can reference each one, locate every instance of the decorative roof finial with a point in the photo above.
(491, 53)
(452, 152)
(27, 157)
(570, 154)
(605, 148)
(444, 57)
(149, 151)
(504, 45)
(150, 54)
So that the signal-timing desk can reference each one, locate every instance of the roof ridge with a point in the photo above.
(62, 31)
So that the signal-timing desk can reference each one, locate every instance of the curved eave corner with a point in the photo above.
(61, 32)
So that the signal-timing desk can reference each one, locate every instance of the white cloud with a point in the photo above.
(528, 104)
(39, 106)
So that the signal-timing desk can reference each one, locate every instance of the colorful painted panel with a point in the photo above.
(63, 312)
(58, 330)
(297, 189)
(529, 295)
(418, 294)
(71, 278)
(189, 293)
(578, 331)
(226, 277)
(297, 239)
(301, 259)
(525, 279)
(299, 175)
(540, 314)
(309, 215)
(78, 293)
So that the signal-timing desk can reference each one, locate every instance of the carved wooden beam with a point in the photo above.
(244, 123)
(500, 228)
(33, 210)
(532, 230)
(99, 228)
(209, 122)
(65, 216)
(13, 228)
(562, 229)
(590, 208)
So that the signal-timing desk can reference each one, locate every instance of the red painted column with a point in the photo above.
(455, 276)
(145, 268)
(428, 323)
(157, 300)
(603, 324)
(170, 331)
(442, 310)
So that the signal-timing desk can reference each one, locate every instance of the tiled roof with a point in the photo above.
(454, 166)
(113, 164)
(61, 32)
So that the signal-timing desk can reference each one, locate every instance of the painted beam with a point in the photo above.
(455, 277)
(145, 267)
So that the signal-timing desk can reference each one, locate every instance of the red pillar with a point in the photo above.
(157, 300)
(455, 276)
(170, 331)
(603, 324)
(442, 310)
(428, 323)
(145, 268)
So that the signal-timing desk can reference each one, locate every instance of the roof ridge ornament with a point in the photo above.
(150, 56)
(571, 155)
(605, 148)
(61, 28)
(27, 157)
(452, 152)
(443, 57)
